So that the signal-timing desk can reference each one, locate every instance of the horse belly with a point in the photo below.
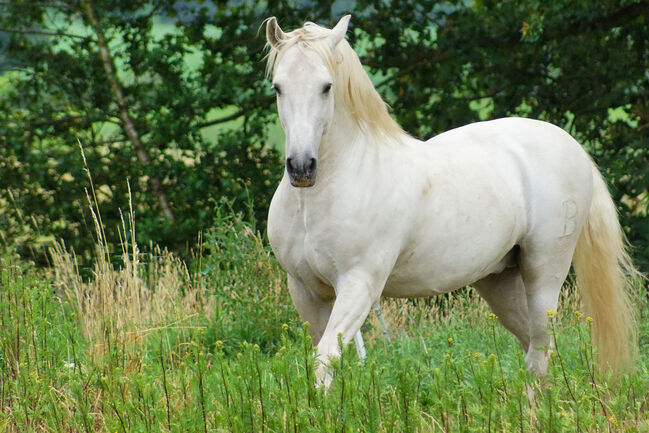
(434, 274)
(457, 251)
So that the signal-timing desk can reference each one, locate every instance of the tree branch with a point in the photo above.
(43, 33)
(127, 121)
(265, 103)
(224, 119)
(80, 121)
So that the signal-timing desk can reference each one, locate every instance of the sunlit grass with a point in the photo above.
(447, 366)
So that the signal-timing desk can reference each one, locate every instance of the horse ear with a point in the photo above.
(274, 34)
(338, 33)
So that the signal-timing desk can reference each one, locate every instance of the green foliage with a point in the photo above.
(247, 283)
(60, 94)
(192, 78)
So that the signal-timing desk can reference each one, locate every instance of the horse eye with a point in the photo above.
(326, 89)
(277, 89)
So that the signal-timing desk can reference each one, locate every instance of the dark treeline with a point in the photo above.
(172, 98)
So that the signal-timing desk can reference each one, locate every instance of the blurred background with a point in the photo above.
(170, 100)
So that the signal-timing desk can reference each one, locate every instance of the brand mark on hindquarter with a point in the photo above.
(569, 217)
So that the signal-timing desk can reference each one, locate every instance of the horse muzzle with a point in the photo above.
(301, 171)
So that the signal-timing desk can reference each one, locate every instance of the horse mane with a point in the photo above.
(350, 79)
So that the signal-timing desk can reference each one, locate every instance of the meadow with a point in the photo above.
(146, 342)
(141, 340)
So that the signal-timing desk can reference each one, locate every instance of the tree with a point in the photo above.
(104, 74)
(581, 65)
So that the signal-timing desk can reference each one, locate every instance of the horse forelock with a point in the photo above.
(360, 97)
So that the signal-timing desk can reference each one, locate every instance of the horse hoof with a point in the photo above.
(323, 377)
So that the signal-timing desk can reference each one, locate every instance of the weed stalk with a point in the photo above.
(492, 320)
(165, 388)
(551, 317)
(200, 388)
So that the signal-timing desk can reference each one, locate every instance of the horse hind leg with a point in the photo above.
(505, 294)
(543, 272)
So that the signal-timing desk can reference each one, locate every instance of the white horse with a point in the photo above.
(506, 205)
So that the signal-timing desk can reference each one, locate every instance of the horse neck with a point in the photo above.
(342, 144)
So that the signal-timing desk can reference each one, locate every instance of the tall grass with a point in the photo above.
(148, 343)
(454, 370)
(248, 286)
(138, 295)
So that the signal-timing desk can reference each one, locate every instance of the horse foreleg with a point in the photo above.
(354, 298)
(360, 345)
(311, 306)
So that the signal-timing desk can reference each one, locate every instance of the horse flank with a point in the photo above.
(360, 98)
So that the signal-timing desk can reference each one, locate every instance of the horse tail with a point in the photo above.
(604, 274)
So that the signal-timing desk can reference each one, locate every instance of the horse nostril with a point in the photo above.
(289, 165)
(301, 168)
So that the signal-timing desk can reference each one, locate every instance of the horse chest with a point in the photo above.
(320, 260)
(329, 252)
(335, 243)
(306, 242)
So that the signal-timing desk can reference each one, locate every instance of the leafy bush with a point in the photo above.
(199, 113)
(249, 286)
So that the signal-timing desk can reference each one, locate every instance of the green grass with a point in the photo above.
(220, 349)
